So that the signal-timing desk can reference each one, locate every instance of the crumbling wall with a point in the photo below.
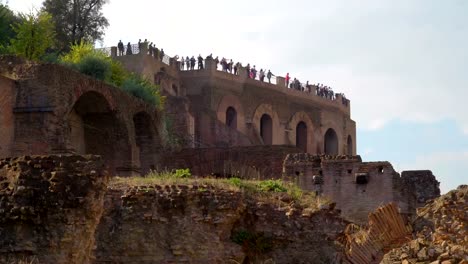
(201, 224)
(50, 207)
(422, 184)
(268, 160)
(359, 187)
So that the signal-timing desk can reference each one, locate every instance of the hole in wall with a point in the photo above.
(381, 170)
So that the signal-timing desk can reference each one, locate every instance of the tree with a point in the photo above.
(76, 21)
(7, 18)
(34, 35)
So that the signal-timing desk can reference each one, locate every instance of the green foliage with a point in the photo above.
(76, 21)
(7, 19)
(34, 35)
(182, 173)
(118, 73)
(235, 181)
(95, 66)
(272, 186)
(78, 52)
(143, 89)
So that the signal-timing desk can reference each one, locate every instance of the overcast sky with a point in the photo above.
(402, 63)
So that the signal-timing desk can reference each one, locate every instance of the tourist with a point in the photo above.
(139, 45)
(247, 68)
(162, 54)
(187, 63)
(236, 67)
(216, 60)
(269, 74)
(287, 79)
(200, 62)
(192, 63)
(182, 63)
(254, 72)
(129, 49)
(120, 46)
(230, 66)
(261, 75)
(150, 49)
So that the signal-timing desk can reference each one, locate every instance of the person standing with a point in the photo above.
(187, 62)
(287, 79)
(182, 63)
(129, 49)
(261, 75)
(269, 74)
(120, 46)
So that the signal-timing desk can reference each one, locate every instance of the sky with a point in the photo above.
(402, 63)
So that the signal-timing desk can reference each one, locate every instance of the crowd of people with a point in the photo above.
(228, 66)
(130, 50)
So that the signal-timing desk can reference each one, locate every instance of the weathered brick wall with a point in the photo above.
(50, 207)
(7, 121)
(336, 178)
(206, 161)
(197, 224)
(422, 184)
(52, 101)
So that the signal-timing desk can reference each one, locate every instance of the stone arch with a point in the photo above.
(301, 136)
(231, 117)
(266, 129)
(349, 144)
(297, 118)
(261, 110)
(230, 101)
(94, 128)
(145, 140)
(331, 144)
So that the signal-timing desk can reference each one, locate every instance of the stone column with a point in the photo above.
(113, 52)
(144, 48)
(280, 81)
(210, 65)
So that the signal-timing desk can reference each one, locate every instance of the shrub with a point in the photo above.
(235, 181)
(182, 173)
(143, 89)
(272, 186)
(77, 53)
(95, 66)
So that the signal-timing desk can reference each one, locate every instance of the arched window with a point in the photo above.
(231, 117)
(350, 145)
(301, 136)
(331, 142)
(266, 129)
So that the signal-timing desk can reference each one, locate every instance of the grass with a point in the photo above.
(277, 191)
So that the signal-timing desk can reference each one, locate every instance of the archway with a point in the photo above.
(231, 117)
(349, 143)
(266, 129)
(301, 136)
(95, 129)
(331, 142)
(144, 141)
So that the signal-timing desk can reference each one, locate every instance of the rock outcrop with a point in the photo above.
(50, 207)
(62, 209)
(440, 232)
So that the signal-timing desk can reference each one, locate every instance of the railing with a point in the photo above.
(156, 53)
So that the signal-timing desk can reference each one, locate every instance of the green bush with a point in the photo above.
(182, 173)
(96, 67)
(272, 186)
(235, 181)
(143, 89)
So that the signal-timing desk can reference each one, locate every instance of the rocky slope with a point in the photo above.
(440, 232)
(61, 209)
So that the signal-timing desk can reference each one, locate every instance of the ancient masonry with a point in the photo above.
(223, 120)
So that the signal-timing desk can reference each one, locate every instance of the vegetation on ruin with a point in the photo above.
(274, 191)
(46, 36)
(95, 63)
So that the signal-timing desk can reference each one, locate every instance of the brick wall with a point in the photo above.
(205, 161)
